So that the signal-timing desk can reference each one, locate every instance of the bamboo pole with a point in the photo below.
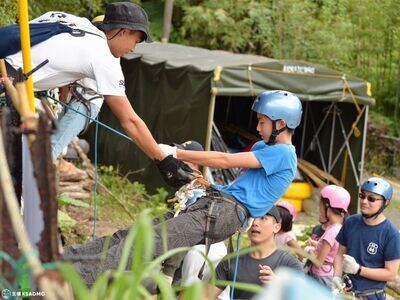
(11, 90)
(210, 119)
(26, 48)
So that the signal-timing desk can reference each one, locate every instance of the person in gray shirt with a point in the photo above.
(258, 267)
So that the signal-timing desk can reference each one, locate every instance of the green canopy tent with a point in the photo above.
(179, 90)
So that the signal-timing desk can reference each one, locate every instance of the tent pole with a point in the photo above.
(347, 145)
(210, 122)
(332, 137)
(364, 141)
(346, 138)
(303, 136)
(168, 10)
(228, 109)
(210, 118)
(317, 131)
(316, 138)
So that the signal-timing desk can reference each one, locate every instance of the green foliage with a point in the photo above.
(131, 196)
(305, 233)
(357, 37)
(65, 222)
(383, 152)
(66, 200)
(155, 12)
(84, 8)
(128, 280)
(8, 12)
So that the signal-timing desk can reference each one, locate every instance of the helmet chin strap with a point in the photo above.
(275, 132)
(326, 205)
(375, 215)
(324, 221)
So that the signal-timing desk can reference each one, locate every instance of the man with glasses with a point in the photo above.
(369, 250)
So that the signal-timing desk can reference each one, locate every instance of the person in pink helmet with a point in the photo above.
(333, 208)
(286, 236)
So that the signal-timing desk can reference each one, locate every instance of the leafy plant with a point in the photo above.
(131, 197)
(383, 151)
(305, 233)
(65, 222)
(129, 281)
(67, 200)
(357, 38)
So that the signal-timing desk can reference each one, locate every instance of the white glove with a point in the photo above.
(337, 284)
(309, 249)
(350, 266)
(168, 150)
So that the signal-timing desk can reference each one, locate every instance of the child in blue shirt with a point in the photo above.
(271, 166)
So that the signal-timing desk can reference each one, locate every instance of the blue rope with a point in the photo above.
(97, 122)
(92, 119)
(95, 179)
(236, 266)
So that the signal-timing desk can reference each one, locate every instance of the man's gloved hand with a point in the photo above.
(350, 266)
(168, 150)
(337, 284)
(174, 172)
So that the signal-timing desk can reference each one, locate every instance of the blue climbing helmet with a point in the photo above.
(381, 187)
(378, 186)
(279, 105)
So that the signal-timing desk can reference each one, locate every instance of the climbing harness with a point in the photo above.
(188, 194)
(84, 95)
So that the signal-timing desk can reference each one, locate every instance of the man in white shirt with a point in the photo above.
(94, 53)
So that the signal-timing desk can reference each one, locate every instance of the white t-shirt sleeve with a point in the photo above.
(109, 77)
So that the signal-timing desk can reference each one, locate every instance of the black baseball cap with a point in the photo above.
(126, 15)
(274, 211)
(190, 145)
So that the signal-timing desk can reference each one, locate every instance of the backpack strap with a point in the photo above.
(39, 32)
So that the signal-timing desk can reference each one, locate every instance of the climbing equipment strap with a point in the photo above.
(39, 32)
(84, 95)
(364, 294)
(213, 214)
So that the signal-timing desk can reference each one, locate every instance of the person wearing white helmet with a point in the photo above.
(334, 205)
(369, 249)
